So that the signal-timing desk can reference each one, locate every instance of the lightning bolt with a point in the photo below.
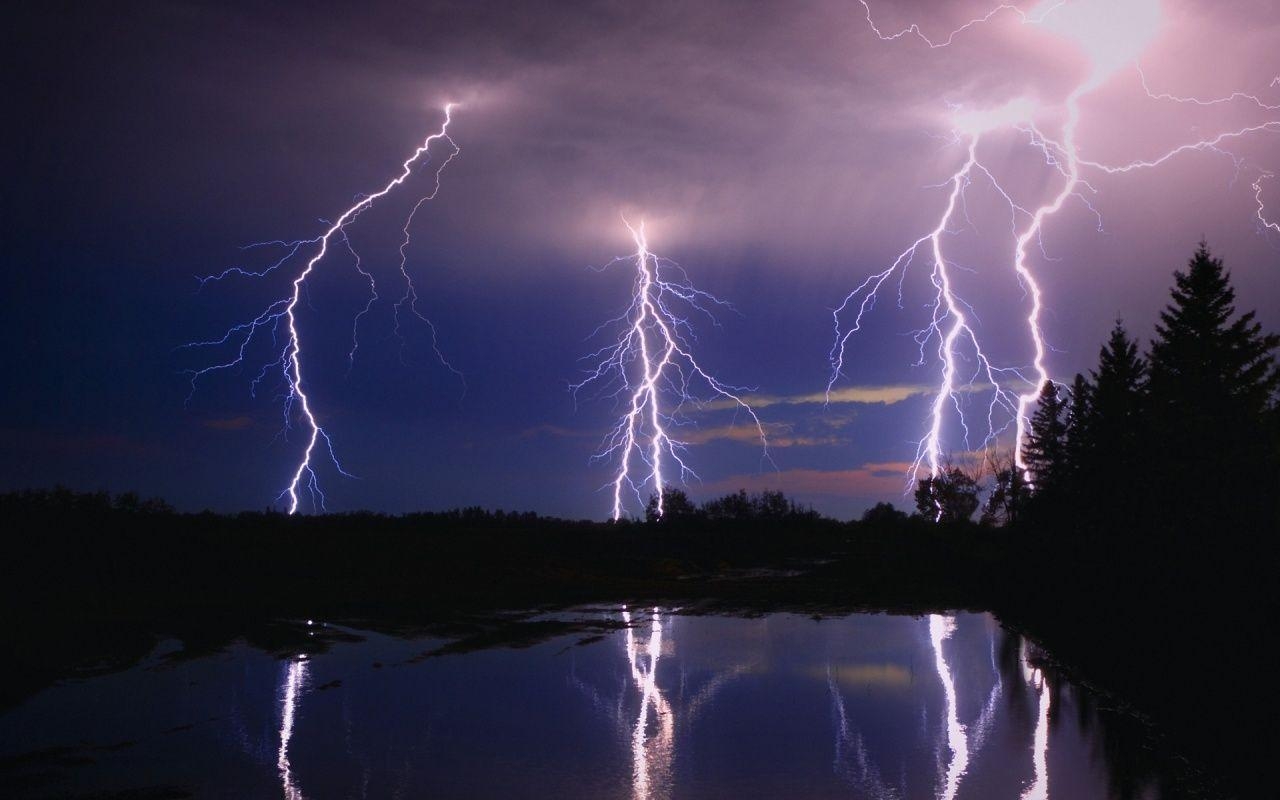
(1214, 143)
(279, 319)
(949, 322)
(650, 757)
(1039, 788)
(295, 682)
(652, 734)
(1262, 209)
(652, 367)
(1014, 389)
(852, 760)
(940, 629)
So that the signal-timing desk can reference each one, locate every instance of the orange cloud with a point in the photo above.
(888, 395)
(779, 435)
(867, 480)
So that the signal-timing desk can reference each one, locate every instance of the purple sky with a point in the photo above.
(780, 152)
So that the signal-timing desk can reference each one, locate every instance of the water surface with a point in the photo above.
(669, 706)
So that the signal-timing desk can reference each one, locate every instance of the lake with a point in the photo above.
(636, 703)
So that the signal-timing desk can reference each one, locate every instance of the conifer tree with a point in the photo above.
(1204, 358)
(1116, 423)
(1078, 451)
(1213, 381)
(1044, 451)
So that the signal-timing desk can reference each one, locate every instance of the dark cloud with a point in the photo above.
(230, 424)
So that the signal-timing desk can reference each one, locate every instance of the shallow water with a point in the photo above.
(864, 706)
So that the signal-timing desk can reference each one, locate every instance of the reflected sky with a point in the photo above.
(870, 706)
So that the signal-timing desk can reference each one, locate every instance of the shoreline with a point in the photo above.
(95, 591)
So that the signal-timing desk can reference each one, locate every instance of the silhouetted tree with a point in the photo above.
(1117, 388)
(883, 514)
(1044, 451)
(1105, 435)
(1213, 380)
(773, 504)
(1203, 361)
(950, 496)
(769, 504)
(1077, 452)
(1009, 492)
(675, 505)
(731, 506)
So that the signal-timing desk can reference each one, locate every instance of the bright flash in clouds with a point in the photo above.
(1112, 35)
(974, 122)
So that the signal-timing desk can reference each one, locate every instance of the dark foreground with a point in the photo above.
(1169, 639)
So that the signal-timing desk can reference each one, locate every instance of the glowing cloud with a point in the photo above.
(1110, 35)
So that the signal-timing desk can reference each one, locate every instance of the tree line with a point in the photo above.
(1182, 436)
(766, 506)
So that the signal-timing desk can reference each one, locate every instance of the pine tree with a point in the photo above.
(1213, 381)
(1078, 451)
(1200, 357)
(1115, 417)
(1119, 380)
(1044, 451)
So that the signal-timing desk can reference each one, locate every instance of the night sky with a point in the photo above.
(780, 152)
